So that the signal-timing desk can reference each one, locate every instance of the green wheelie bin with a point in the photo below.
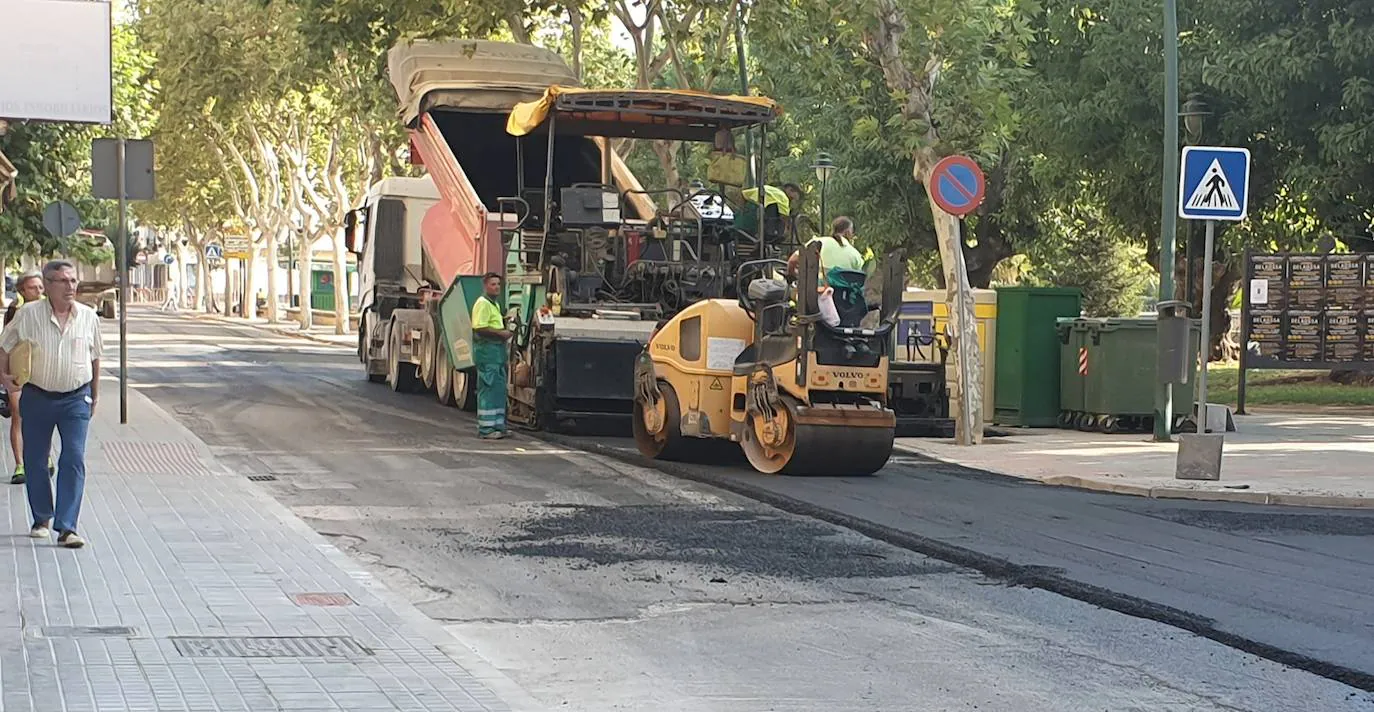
(1119, 390)
(1072, 334)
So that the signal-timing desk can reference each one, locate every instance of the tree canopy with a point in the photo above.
(271, 116)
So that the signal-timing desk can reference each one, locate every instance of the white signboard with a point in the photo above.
(1259, 291)
(55, 60)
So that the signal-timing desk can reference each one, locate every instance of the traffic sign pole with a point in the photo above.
(956, 187)
(966, 327)
(1205, 347)
(123, 287)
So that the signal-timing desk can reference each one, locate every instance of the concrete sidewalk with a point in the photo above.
(321, 335)
(199, 591)
(1276, 458)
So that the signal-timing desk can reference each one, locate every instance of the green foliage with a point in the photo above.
(1060, 102)
(1081, 250)
(1291, 83)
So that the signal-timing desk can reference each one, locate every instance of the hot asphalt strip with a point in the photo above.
(727, 471)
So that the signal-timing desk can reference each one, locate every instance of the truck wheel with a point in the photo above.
(465, 390)
(364, 339)
(429, 362)
(401, 376)
(443, 380)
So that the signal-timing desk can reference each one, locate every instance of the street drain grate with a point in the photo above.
(262, 478)
(154, 458)
(271, 647)
(87, 631)
(322, 599)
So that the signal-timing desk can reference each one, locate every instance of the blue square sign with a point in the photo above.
(1214, 183)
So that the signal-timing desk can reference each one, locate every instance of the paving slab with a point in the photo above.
(1273, 458)
(198, 591)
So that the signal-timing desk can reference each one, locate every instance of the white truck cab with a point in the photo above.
(385, 232)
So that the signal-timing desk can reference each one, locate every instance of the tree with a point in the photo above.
(1292, 84)
(952, 90)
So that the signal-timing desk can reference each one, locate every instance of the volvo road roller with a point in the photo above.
(800, 393)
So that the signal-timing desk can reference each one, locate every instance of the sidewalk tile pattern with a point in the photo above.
(198, 554)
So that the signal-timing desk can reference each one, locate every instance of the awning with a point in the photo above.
(642, 113)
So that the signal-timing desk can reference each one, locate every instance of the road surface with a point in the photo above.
(600, 585)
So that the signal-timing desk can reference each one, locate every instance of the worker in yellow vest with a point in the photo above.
(837, 250)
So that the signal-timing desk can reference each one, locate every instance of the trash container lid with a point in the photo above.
(1115, 323)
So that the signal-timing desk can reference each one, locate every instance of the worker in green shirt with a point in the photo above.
(837, 250)
(489, 352)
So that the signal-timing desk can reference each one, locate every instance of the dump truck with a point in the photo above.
(586, 293)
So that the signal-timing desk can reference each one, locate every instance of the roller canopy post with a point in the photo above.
(808, 278)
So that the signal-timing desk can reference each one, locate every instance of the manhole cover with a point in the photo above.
(87, 631)
(278, 647)
(153, 458)
(322, 599)
(262, 478)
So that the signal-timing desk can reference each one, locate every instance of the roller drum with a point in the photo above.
(823, 450)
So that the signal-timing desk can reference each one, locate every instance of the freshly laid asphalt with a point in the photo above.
(1291, 585)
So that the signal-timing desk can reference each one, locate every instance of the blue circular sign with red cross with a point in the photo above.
(956, 185)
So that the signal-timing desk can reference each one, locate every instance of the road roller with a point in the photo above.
(801, 392)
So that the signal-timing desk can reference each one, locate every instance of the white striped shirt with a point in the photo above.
(61, 358)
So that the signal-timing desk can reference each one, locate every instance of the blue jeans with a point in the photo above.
(70, 415)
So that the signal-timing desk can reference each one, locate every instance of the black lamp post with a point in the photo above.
(1194, 113)
(824, 166)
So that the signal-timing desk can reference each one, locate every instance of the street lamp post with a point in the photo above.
(1194, 112)
(1164, 392)
(824, 167)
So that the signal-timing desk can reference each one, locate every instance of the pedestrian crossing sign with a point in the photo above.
(1214, 183)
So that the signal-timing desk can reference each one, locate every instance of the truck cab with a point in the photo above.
(385, 233)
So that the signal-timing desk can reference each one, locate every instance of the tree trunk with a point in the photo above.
(962, 320)
(340, 284)
(1225, 281)
(229, 287)
(982, 259)
(202, 283)
(575, 22)
(667, 157)
(248, 302)
(272, 289)
(307, 315)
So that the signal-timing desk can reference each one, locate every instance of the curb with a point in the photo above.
(1325, 501)
(264, 327)
(1030, 576)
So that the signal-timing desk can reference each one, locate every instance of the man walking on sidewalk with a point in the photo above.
(64, 384)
